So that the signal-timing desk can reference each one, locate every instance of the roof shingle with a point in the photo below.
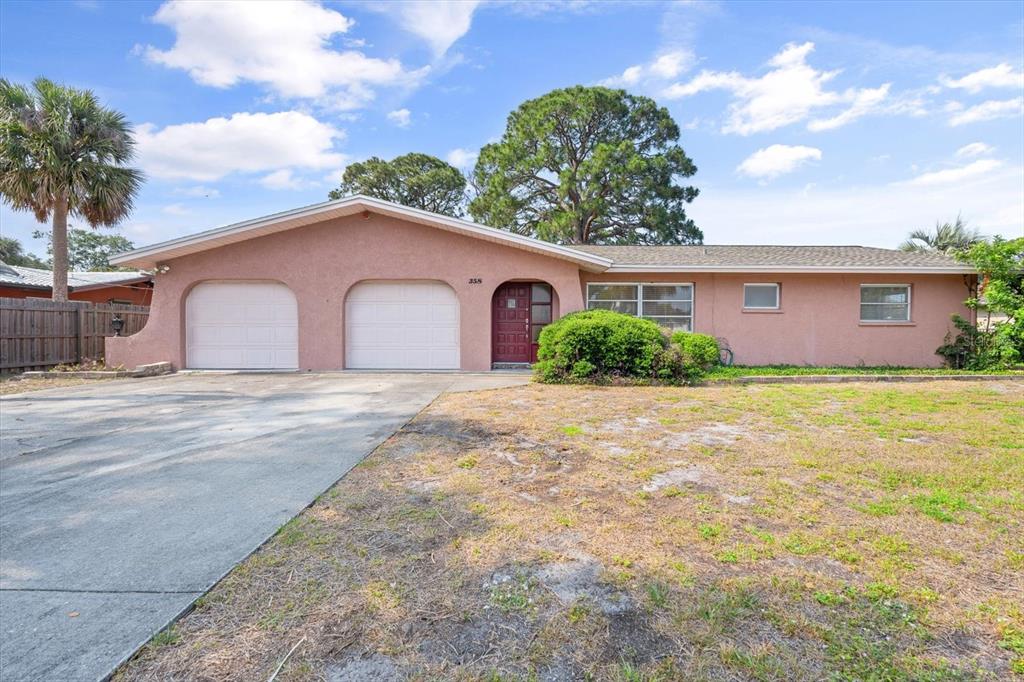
(769, 256)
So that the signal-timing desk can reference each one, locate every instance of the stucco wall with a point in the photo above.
(819, 319)
(321, 262)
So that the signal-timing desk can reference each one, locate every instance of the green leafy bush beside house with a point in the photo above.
(997, 342)
(702, 349)
(601, 346)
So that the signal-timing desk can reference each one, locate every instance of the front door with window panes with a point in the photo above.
(520, 311)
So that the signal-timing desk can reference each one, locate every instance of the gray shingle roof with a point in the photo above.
(34, 277)
(769, 256)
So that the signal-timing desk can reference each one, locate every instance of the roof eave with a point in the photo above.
(113, 283)
(150, 256)
(24, 285)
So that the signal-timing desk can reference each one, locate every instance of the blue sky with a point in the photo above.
(812, 123)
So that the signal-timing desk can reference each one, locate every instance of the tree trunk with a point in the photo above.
(60, 250)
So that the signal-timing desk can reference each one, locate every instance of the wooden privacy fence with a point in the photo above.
(37, 333)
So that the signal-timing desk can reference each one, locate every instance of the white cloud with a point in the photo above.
(788, 93)
(975, 149)
(463, 159)
(280, 44)
(777, 160)
(199, 191)
(987, 111)
(1001, 76)
(539, 7)
(400, 117)
(438, 22)
(282, 179)
(244, 143)
(664, 67)
(176, 209)
(836, 214)
(956, 175)
(865, 101)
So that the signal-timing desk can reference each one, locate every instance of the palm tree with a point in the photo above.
(946, 238)
(62, 153)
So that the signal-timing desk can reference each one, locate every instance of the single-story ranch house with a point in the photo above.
(361, 283)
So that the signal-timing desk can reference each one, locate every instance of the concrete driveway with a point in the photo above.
(122, 502)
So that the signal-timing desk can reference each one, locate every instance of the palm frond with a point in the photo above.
(61, 142)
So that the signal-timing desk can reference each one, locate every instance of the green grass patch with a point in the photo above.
(736, 371)
(165, 637)
(941, 505)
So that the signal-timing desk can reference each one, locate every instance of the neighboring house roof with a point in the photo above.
(700, 258)
(149, 256)
(35, 278)
(592, 258)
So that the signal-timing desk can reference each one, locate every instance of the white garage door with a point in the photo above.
(241, 325)
(402, 325)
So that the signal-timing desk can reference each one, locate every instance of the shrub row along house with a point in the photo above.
(361, 283)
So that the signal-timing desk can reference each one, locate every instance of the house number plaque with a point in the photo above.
(475, 280)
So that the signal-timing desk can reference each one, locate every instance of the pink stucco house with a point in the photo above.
(361, 283)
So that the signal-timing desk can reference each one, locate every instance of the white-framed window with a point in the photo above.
(885, 303)
(761, 296)
(668, 304)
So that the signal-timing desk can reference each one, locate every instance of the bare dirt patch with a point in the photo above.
(741, 532)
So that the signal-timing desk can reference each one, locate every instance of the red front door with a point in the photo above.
(511, 320)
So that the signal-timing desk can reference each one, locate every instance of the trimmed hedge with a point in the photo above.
(601, 346)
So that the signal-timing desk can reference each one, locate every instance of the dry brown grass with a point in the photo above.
(12, 385)
(555, 532)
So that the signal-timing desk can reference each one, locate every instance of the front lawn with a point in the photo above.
(861, 531)
(734, 371)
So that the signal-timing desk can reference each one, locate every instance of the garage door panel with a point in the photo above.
(241, 325)
(231, 336)
(387, 312)
(414, 313)
(259, 336)
(286, 336)
(444, 337)
(402, 325)
(443, 313)
(259, 313)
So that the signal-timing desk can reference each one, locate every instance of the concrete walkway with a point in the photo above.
(123, 501)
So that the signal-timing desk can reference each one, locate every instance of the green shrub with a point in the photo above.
(673, 366)
(581, 369)
(980, 349)
(995, 343)
(701, 349)
(601, 346)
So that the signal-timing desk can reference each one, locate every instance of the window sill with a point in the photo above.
(761, 311)
(890, 323)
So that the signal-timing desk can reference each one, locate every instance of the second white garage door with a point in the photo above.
(402, 325)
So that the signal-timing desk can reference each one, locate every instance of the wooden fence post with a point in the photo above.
(80, 328)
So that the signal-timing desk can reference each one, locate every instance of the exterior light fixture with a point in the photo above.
(117, 324)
